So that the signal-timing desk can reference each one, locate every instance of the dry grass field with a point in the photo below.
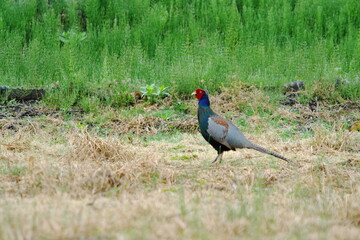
(112, 150)
(61, 180)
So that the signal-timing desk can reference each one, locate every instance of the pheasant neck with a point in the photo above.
(204, 101)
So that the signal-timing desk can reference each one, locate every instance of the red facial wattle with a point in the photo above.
(199, 93)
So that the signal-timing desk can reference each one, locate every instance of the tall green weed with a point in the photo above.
(85, 46)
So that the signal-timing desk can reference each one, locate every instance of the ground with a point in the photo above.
(128, 179)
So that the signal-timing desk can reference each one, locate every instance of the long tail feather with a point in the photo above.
(264, 150)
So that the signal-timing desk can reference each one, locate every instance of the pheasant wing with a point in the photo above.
(218, 129)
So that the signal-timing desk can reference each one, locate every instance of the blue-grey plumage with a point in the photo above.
(226, 133)
(222, 134)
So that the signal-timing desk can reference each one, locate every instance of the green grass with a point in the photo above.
(15, 170)
(94, 52)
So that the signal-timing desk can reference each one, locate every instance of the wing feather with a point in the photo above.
(218, 129)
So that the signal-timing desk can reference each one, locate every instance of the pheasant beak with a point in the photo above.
(193, 93)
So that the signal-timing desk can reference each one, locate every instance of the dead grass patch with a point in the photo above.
(147, 124)
(18, 145)
(87, 147)
(225, 178)
(124, 165)
(335, 138)
(73, 184)
(241, 95)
